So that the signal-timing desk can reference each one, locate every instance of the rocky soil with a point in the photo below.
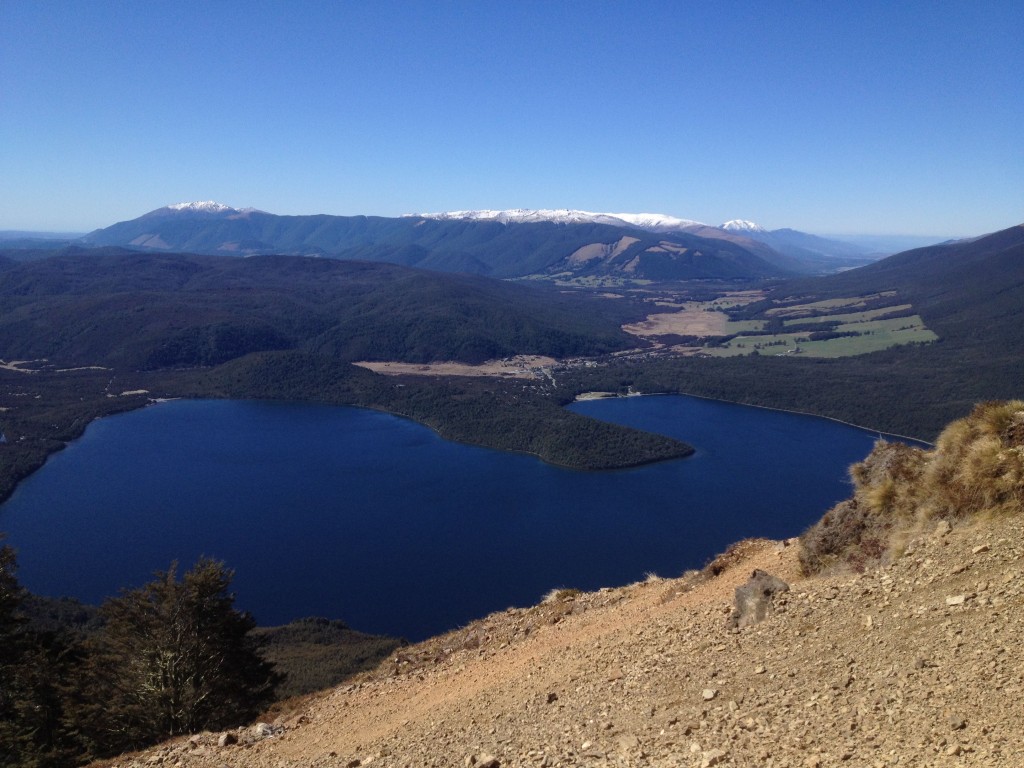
(920, 663)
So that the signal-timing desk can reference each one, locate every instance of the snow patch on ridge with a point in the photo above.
(564, 216)
(655, 220)
(205, 206)
(741, 225)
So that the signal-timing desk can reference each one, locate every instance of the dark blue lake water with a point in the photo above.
(373, 519)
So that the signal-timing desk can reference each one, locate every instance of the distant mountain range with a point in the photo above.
(502, 244)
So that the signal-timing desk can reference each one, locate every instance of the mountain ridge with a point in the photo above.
(505, 244)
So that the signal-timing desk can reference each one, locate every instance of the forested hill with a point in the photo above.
(110, 307)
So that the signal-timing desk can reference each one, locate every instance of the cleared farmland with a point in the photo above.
(872, 336)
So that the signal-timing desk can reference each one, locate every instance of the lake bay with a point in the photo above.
(373, 519)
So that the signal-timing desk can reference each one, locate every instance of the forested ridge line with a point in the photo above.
(49, 409)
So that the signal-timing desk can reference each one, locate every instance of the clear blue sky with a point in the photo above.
(829, 117)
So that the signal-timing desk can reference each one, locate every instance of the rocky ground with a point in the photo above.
(916, 664)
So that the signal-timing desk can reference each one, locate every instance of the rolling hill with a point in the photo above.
(151, 311)
(817, 254)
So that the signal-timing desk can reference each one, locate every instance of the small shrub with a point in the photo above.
(976, 468)
(560, 595)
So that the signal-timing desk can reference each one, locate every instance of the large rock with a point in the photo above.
(754, 599)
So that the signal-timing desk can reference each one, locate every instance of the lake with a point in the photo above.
(373, 519)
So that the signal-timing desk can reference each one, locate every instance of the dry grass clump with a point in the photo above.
(976, 468)
(560, 595)
(978, 464)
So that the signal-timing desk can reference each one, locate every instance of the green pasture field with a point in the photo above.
(875, 335)
(589, 281)
(814, 307)
(851, 317)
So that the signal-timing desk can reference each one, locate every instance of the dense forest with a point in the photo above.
(152, 311)
(496, 413)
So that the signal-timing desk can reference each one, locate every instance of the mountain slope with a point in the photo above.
(971, 291)
(787, 249)
(118, 308)
(503, 246)
(912, 663)
(509, 243)
(814, 254)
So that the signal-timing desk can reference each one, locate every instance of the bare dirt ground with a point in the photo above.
(916, 664)
(18, 366)
(519, 367)
(686, 322)
(693, 318)
(21, 366)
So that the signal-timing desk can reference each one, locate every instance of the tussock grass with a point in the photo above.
(560, 595)
(975, 469)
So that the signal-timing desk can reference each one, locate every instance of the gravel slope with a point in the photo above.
(917, 664)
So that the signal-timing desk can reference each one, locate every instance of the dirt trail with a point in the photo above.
(919, 663)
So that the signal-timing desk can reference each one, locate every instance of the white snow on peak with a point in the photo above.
(205, 206)
(565, 216)
(516, 215)
(655, 220)
(740, 225)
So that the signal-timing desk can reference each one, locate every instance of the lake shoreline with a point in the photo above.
(356, 496)
(598, 395)
(29, 468)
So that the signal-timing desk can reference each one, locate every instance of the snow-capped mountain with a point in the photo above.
(652, 221)
(787, 249)
(638, 246)
(651, 245)
(658, 222)
(741, 225)
(203, 209)
(515, 216)
(205, 206)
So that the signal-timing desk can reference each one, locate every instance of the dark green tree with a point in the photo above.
(13, 741)
(32, 666)
(174, 656)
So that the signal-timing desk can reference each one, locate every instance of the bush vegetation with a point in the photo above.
(976, 468)
(171, 657)
(316, 653)
(174, 656)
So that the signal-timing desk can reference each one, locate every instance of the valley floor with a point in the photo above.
(915, 664)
